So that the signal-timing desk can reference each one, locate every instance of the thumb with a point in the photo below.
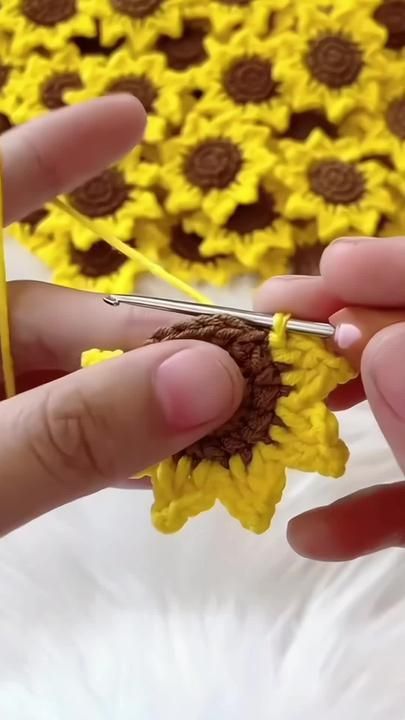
(383, 373)
(97, 426)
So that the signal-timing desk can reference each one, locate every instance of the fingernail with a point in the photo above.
(346, 336)
(197, 386)
(386, 366)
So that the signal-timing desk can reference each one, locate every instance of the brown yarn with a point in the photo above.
(139, 86)
(335, 61)
(187, 50)
(49, 12)
(249, 348)
(102, 195)
(337, 182)
(54, 88)
(213, 164)
(250, 80)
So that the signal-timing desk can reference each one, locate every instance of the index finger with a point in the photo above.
(58, 152)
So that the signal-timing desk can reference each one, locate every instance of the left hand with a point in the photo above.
(98, 426)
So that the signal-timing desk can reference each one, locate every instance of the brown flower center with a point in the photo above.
(302, 124)
(256, 216)
(249, 347)
(250, 80)
(137, 9)
(49, 12)
(137, 85)
(235, 2)
(53, 89)
(5, 123)
(306, 260)
(213, 164)
(335, 61)
(391, 14)
(395, 117)
(337, 182)
(101, 196)
(4, 73)
(34, 218)
(99, 261)
(187, 50)
(187, 246)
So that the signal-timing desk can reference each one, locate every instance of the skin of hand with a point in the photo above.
(70, 432)
(361, 290)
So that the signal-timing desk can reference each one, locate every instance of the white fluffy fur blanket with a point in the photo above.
(102, 618)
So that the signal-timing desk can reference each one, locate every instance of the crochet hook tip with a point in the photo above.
(111, 300)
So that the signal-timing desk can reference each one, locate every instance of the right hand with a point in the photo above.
(361, 288)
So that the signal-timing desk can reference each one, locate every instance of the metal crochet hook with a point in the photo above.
(324, 330)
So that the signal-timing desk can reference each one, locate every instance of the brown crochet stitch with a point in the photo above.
(335, 61)
(249, 348)
(102, 195)
(213, 164)
(250, 81)
(54, 88)
(50, 12)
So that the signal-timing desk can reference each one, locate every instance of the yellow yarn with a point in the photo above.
(6, 354)
(102, 230)
(308, 441)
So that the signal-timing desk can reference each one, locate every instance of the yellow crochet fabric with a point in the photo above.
(288, 379)
(274, 126)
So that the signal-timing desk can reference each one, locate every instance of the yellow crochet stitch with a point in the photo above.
(304, 437)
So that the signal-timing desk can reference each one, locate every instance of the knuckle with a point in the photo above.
(72, 436)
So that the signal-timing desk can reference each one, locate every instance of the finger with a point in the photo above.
(366, 271)
(346, 396)
(60, 151)
(360, 524)
(52, 325)
(383, 373)
(306, 298)
(355, 327)
(100, 425)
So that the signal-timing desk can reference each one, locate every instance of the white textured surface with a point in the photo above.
(102, 618)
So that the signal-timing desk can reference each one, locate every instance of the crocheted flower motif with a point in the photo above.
(239, 77)
(251, 231)
(215, 165)
(145, 77)
(332, 60)
(334, 183)
(283, 422)
(139, 21)
(261, 17)
(43, 83)
(47, 24)
(113, 197)
(181, 252)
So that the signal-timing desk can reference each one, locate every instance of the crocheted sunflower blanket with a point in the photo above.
(274, 126)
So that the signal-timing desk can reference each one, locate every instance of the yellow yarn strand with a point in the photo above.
(5, 341)
(102, 230)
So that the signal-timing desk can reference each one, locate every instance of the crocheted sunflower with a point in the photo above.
(283, 422)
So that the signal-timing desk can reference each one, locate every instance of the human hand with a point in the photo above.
(358, 275)
(96, 427)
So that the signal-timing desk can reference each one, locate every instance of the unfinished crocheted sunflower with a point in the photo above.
(283, 422)
(274, 126)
